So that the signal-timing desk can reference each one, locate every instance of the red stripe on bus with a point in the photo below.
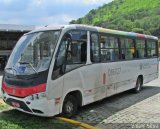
(104, 78)
(140, 35)
(23, 92)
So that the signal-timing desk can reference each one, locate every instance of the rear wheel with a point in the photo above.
(69, 106)
(138, 87)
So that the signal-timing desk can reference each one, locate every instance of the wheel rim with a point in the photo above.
(69, 107)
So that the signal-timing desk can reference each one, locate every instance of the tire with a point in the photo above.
(138, 87)
(69, 106)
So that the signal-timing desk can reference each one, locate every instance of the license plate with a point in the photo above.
(15, 104)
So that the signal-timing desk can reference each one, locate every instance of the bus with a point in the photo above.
(57, 69)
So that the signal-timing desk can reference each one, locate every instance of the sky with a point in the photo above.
(45, 12)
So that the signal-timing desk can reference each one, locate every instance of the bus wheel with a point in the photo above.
(138, 87)
(69, 106)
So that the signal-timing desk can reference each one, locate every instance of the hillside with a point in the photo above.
(141, 16)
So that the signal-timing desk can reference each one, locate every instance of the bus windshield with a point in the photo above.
(32, 53)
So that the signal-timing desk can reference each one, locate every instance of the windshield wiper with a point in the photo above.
(23, 62)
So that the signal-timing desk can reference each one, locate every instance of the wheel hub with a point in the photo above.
(69, 107)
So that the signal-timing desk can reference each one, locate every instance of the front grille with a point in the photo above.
(18, 82)
(22, 104)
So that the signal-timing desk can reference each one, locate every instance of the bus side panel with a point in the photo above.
(94, 90)
(88, 79)
(149, 68)
(54, 93)
(120, 76)
(72, 82)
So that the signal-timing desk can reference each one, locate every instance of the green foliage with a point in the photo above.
(4, 107)
(13, 119)
(141, 16)
(138, 30)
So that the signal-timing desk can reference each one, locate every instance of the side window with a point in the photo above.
(151, 48)
(95, 48)
(77, 50)
(72, 52)
(127, 48)
(140, 48)
(109, 48)
(59, 66)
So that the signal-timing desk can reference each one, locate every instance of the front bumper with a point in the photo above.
(39, 107)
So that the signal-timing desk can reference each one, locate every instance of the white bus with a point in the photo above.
(57, 69)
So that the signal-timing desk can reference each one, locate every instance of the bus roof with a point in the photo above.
(95, 29)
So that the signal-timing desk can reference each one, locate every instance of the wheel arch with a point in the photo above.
(141, 77)
(77, 93)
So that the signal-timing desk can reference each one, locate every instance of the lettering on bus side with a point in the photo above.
(115, 71)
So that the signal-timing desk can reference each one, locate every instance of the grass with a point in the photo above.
(14, 119)
(3, 106)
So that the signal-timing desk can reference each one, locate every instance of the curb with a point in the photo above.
(77, 123)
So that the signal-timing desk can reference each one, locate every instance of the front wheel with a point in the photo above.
(69, 106)
(138, 87)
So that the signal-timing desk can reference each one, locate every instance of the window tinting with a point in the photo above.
(140, 48)
(109, 48)
(151, 48)
(95, 48)
(77, 49)
(72, 52)
(127, 48)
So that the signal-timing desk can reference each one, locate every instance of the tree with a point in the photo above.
(138, 30)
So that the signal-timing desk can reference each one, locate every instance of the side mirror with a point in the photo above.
(58, 71)
(60, 60)
(62, 69)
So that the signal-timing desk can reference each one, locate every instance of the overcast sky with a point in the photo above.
(44, 12)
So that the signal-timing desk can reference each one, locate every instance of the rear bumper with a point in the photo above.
(39, 107)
